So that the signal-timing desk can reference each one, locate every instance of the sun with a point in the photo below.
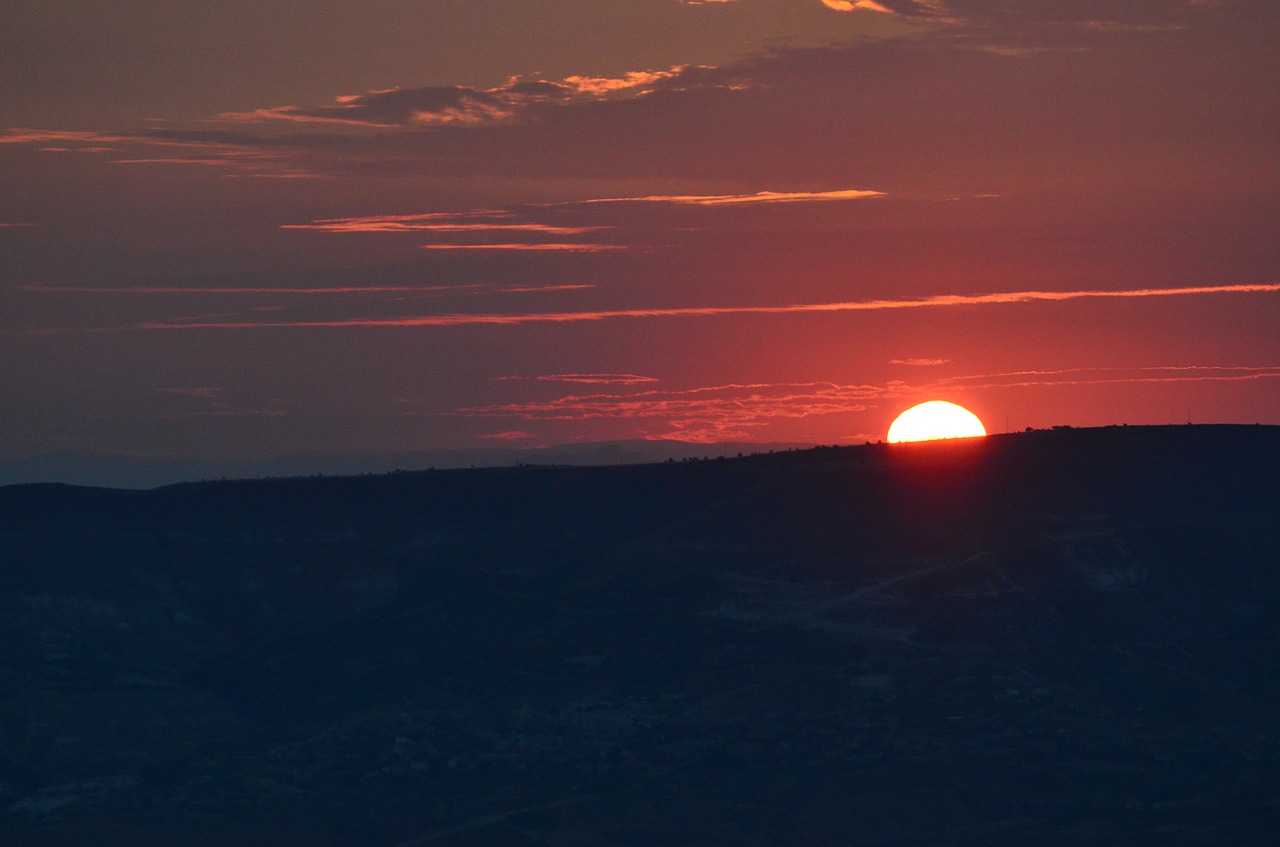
(934, 420)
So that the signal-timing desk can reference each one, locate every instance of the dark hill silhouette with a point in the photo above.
(1054, 637)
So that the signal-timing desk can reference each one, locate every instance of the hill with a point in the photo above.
(1056, 637)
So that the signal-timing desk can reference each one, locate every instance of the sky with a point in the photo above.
(239, 229)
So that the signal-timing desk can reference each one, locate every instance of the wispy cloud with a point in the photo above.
(532, 247)
(744, 199)
(546, 289)
(701, 415)
(15, 224)
(308, 292)
(28, 135)
(919, 362)
(1116, 375)
(584, 379)
(440, 222)
(936, 301)
(457, 104)
(720, 412)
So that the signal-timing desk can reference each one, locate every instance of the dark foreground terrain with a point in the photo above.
(1061, 638)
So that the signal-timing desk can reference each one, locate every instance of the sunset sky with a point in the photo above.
(241, 229)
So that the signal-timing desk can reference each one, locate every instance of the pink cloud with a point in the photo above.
(136, 289)
(541, 289)
(439, 222)
(936, 301)
(584, 379)
(716, 413)
(1117, 375)
(530, 247)
(703, 415)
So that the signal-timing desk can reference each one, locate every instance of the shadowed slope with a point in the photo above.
(1052, 637)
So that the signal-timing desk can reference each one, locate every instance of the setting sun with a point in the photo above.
(935, 420)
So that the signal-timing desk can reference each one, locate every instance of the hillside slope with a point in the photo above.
(1056, 637)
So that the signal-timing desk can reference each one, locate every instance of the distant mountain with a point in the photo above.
(120, 471)
(1053, 638)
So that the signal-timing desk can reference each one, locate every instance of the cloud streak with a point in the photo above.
(700, 415)
(745, 199)
(585, 379)
(720, 412)
(854, 5)
(438, 222)
(459, 105)
(936, 301)
(155, 289)
(532, 247)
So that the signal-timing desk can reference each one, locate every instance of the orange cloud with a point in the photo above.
(743, 199)
(919, 362)
(597, 85)
(851, 5)
(26, 135)
(442, 105)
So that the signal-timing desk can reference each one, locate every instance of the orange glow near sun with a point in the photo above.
(935, 420)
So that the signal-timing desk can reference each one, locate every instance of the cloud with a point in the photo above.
(717, 413)
(309, 292)
(15, 224)
(935, 301)
(919, 362)
(1107, 375)
(458, 105)
(935, 112)
(852, 5)
(544, 289)
(597, 379)
(439, 222)
(530, 247)
(27, 135)
(702, 415)
(746, 199)
(479, 223)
